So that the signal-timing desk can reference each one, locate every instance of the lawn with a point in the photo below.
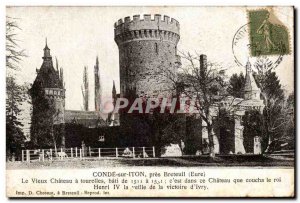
(219, 161)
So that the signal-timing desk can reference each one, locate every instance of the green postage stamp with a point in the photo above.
(268, 36)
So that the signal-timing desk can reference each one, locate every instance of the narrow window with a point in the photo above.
(156, 48)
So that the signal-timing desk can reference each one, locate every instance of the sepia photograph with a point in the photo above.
(150, 101)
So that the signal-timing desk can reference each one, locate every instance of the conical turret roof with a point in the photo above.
(47, 76)
(250, 83)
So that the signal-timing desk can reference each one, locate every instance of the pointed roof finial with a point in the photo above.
(46, 46)
(114, 88)
(97, 61)
(114, 93)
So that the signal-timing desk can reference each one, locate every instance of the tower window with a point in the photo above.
(156, 48)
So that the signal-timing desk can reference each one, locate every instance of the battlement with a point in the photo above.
(147, 23)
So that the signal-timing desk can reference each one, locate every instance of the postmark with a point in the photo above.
(242, 49)
(267, 35)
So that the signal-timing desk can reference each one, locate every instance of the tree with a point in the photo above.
(85, 89)
(15, 93)
(40, 121)
(13, 53)
(274, 100)
(167, 128)
(289, 127)
(15, 96)
(253, 126)
(148, 128)
(236, 85)
(44, 130)
(205, 82)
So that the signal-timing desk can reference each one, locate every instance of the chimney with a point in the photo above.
(203, 65)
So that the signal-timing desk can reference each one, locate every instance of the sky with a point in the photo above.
(77, 35)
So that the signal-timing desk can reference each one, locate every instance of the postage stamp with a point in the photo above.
(268, 36)
(242, 48)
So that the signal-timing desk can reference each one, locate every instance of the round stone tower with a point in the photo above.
(147, 55)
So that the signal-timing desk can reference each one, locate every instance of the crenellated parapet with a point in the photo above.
(166, 29)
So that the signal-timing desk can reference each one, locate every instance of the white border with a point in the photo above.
(5, 3)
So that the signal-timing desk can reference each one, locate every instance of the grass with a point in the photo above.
(186, 161)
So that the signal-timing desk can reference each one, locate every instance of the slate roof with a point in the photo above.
(47, 76)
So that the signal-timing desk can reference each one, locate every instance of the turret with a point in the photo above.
(48, 93)
(147, 52)
(51, 80)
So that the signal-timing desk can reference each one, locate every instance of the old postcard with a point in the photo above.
(150, 102)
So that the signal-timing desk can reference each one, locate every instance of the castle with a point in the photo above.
(147, 57)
